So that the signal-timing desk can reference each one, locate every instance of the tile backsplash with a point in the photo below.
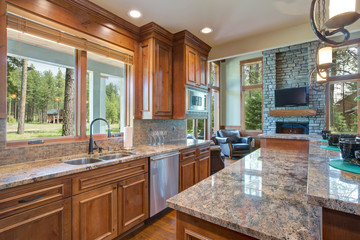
(176, 130)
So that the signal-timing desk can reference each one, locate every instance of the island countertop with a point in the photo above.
(329, 187)
(262, 195)
(19, 174)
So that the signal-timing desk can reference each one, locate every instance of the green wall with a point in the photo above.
(230, 89)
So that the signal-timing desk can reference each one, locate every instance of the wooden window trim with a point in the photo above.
(249, 88)
(80, 81)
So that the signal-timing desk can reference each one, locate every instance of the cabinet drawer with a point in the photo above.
(33, 195)
(188, 154)
(97, 178)
(203, 150)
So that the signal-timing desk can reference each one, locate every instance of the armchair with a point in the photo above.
(232, 144)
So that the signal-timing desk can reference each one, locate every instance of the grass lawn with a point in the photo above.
(41, 130)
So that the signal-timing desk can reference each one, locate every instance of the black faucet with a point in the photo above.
(91, 142)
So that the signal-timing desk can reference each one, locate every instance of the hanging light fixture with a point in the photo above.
(341, 14)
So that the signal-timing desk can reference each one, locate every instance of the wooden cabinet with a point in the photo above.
(196, 68)
(94, 214)
(188, 174)
(112, 200)
(203, 165)
(133, 202)
(192, 228)
(194, 166)
(156, 84)
(51, 221)
(190, 69)
(162, 91)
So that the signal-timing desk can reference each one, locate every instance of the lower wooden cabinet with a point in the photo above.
(51, 221)
(188, 174)
(94, 214)
(203, 167)
(193, 168)
(133, 202)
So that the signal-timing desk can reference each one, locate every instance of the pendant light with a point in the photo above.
(341, 14)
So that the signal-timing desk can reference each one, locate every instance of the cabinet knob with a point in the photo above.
(121, 185)
(114, 187)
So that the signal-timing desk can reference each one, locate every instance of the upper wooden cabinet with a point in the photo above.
(196, 68)
(156, 81)
(190, 68)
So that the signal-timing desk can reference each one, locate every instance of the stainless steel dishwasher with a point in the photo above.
(164, 180)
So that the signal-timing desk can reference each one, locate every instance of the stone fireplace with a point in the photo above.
(292, 128)
(289, 67)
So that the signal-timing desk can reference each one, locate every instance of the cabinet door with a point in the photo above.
(95, 214)
(188, 174)
(51, 221)
(191, 66)
(133, 202)
(163, 80)
(203, 167)
(202, 81)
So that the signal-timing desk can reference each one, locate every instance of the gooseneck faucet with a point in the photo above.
(91, 142)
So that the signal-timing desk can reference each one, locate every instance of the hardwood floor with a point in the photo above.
(229, 161)
(161, 228)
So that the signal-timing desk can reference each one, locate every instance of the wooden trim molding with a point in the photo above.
(3, 60)
(293, 113)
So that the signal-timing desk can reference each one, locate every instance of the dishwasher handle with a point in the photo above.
(166, 155)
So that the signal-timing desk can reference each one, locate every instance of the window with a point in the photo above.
(345, 59)
(197, 128)
(215, 97)
(106, 96)
(251, 94)
(40, 90)
(343, 89)
(57, 82)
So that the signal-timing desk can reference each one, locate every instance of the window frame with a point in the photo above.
(243, 89)
(214, 88)
(80, 83)
(340, 79)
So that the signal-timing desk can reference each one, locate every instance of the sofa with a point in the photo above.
(232, 144)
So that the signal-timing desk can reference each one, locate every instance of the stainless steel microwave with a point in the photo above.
(196, 101)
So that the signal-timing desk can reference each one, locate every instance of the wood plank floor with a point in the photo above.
(161, 228)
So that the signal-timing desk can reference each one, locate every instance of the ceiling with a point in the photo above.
(230, 19)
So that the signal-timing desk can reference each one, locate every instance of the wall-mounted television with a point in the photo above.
(291, 97)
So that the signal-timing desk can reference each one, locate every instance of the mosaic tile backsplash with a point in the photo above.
(176, 131)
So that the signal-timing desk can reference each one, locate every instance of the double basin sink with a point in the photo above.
(91, 160)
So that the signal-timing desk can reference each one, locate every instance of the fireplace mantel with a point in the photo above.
(293, 113)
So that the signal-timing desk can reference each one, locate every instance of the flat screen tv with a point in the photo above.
(291, 97)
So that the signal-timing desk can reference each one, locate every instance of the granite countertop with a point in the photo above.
(262, 195)
(290, 136)
(329, 187)
(19, 174)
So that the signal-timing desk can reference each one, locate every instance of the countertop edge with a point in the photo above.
(85, 168)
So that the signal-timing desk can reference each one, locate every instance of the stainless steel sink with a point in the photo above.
(83, 161)
(115, 156)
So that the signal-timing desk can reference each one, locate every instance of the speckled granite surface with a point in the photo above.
(290, 136)
(329, 187)
(19, 174)
(262, 195)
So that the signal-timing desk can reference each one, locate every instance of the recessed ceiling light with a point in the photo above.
(135, 14)
(206, 30)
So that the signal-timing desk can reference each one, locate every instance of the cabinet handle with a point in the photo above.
(30, 200)
(121, 185)
(114, 187)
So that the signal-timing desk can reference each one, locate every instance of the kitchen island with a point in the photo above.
(272, 194)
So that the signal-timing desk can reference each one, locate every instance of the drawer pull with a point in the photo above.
(30, 200)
